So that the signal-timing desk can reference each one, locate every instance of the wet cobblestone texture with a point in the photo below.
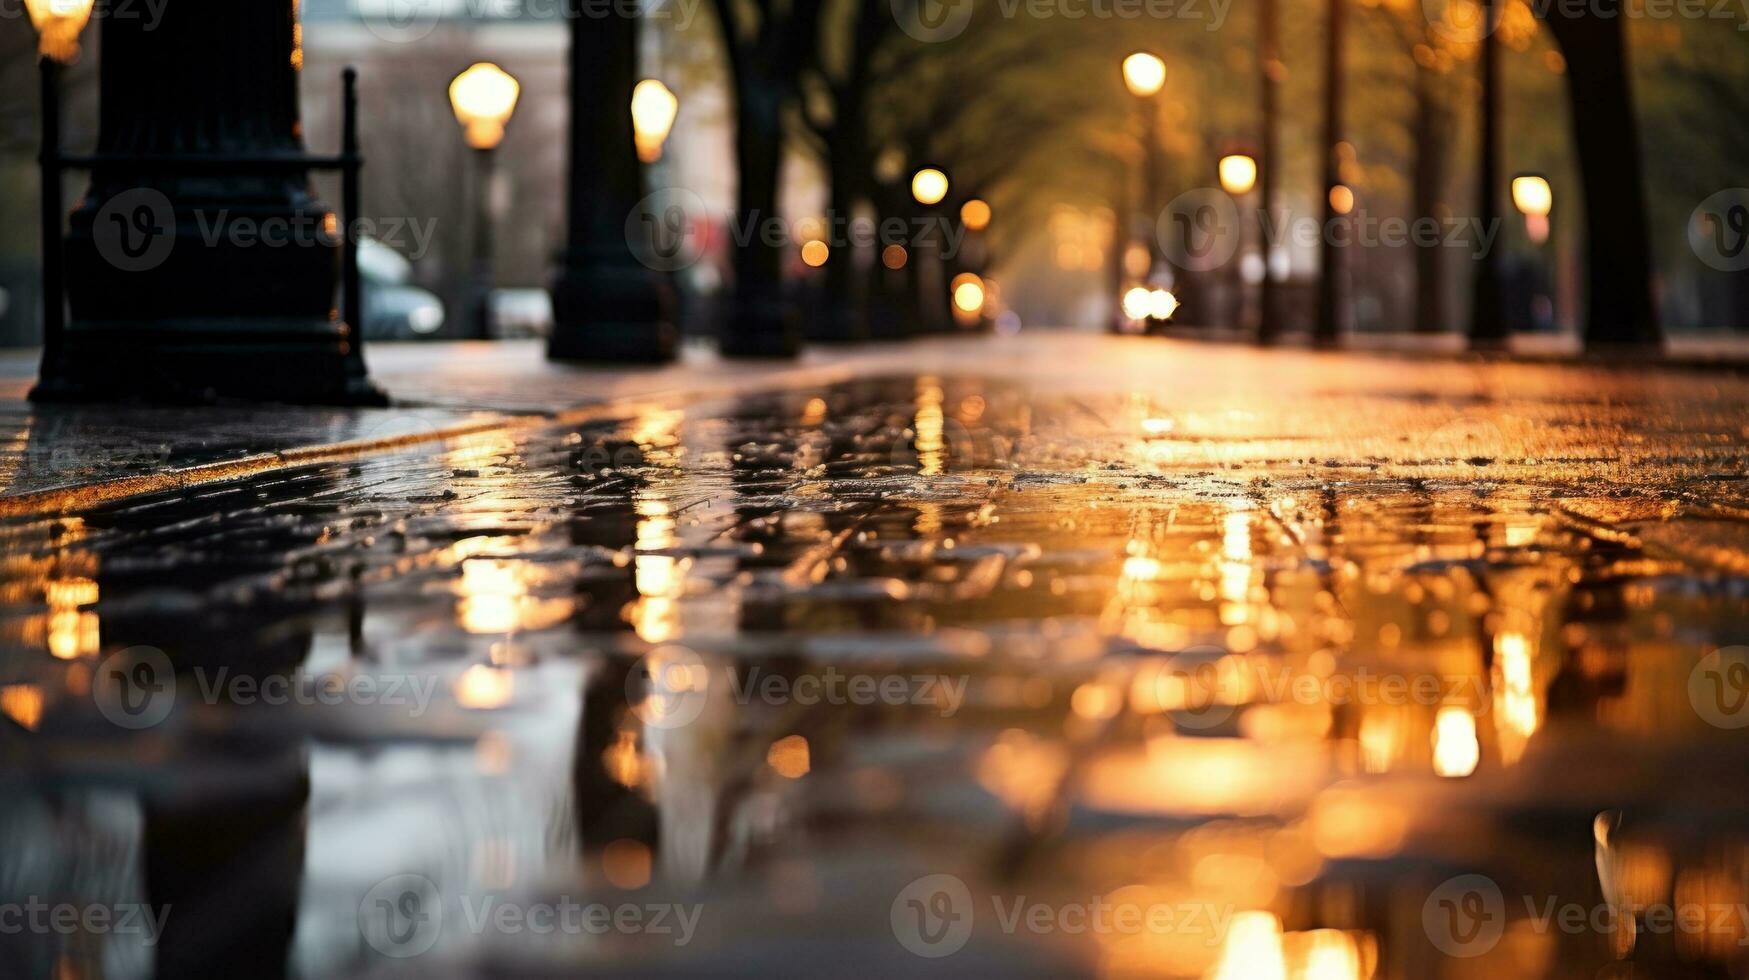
(1063, 658)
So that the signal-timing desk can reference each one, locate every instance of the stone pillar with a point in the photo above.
(607, 305)
(193, 280)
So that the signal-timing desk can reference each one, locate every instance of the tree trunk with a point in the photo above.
(1430, 148)
(845, 317)
(1618, 306)
(1329, 323)
(761, 323)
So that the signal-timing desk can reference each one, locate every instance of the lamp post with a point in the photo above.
(483, 98)
(1534, 199)
(1144, 74)
(1328, 326)
(654, 107)
(609, 302)
(58, 24)
(1270, 72)
(1238, 173)
(199, 263)
(1488, 326)
(929, 187)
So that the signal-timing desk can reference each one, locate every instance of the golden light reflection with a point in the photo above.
(1236, 567)
(659, 578)
(72, 631)
(1252, 949)
(483, 688)
(1455, 749)
(1516, 712)
(1206, 775)
(1381, 740)
(1331, 954)
(930, 427)
(1345, 823)
(23, 703)
(624, 763)
(1023, 770)
(627, 863)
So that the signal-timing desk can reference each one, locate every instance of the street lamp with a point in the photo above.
(1238, 173)
(929, 186)
(58, 24)
(975, 214)
(1144, 75)
(483, 98)
(1534, 199)
(653, 110)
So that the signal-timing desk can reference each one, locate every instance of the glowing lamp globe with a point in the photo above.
(483, 98)
(58, 25)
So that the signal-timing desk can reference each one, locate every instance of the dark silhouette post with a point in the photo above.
(54, 284)
(199, 263)
(480, 317)
(1618, 301)
(1488, 326)
(1329, 323)
(607, 305)
(1269, 77)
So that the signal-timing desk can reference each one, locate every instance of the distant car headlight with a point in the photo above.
(427, 317)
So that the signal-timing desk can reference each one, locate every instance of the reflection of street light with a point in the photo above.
(929, 186)
(653, 110)
(1144, 74)
(58, 24)
(483, 98)
(1238, 174)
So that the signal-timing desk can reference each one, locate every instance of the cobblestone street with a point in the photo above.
(1046, 655)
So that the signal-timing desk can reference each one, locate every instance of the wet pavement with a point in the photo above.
(1049, 656)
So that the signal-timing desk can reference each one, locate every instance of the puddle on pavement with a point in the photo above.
(942, 674)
